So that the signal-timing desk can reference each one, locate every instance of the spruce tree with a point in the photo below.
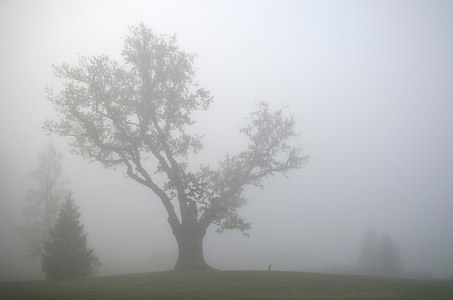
(66, 254)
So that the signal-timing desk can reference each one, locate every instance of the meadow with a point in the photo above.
(229, 285)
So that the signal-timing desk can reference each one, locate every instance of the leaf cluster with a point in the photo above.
(136, 115)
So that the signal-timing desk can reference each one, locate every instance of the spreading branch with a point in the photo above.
(136, 115)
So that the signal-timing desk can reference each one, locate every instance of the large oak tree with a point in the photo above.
(136, 114)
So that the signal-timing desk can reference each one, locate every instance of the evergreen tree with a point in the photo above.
(66, 255)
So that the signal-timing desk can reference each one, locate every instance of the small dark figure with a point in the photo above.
(270, 267)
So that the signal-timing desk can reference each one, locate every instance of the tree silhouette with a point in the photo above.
(389, 256)
(369, 254)
(379, 255)
(136, 115)
(42, 202)
(66, 255)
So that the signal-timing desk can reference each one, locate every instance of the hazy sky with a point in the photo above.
(370, 83)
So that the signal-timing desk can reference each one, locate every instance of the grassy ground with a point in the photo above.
(229, 285)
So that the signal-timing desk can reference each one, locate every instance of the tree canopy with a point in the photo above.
(43, 202)
(379, 255)
(136, 114)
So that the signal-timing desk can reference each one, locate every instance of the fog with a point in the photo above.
(370, 84)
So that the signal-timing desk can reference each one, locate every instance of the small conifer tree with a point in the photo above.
(66, 255)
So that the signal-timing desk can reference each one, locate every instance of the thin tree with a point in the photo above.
(66, 254)
(42, 202)
(136, 115)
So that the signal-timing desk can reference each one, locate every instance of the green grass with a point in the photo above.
(229, 285)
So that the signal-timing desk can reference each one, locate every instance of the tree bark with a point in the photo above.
(189, 238)
(190, 250)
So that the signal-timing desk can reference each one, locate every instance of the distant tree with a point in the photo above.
(379, 255)
(389, 256)
(136, 115)
(42, 202)
(369, 255)
(66, 255)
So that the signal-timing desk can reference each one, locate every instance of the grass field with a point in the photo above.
(229, 285)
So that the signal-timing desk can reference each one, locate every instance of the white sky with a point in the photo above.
(370, 83)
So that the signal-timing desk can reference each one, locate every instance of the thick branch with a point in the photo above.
(172, 217)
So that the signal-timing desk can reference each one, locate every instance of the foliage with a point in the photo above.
(379, 255)
(389, 256)
(66, 255)
(42, 202)
(136, 115)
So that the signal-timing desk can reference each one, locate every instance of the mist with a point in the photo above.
(370, 84)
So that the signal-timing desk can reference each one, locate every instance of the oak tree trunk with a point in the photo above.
(190, 252)
(189, 238)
